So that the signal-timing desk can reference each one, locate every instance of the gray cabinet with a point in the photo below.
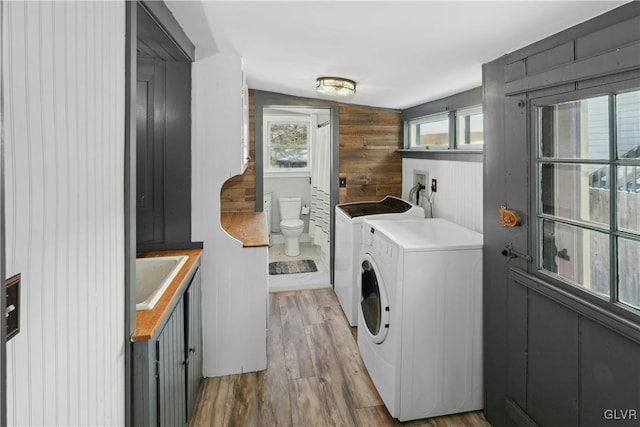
(168, 368)
(163, 153)
(193, 357)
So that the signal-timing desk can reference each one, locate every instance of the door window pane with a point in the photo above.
(575, 191)
(628, 125)
(629, 272)
(628, 199)
(578, 255)
(576, 130)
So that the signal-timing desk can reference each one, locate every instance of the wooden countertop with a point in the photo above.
(248, 227)
(148, 321)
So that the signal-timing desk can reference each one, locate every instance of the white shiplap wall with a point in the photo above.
(64, 130)
(459, 195)
(234, 279)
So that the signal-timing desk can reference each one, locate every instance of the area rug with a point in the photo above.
(292, 267)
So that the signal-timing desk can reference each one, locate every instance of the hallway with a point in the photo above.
(315, 376)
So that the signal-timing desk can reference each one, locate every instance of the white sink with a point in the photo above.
(153, 277)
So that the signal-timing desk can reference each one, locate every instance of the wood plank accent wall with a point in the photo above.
(238, 193)
(64, 110)
(368, 140)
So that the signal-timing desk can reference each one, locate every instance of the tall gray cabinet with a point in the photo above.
(163, 134)
(167, 368)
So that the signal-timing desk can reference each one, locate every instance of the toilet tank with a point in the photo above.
(289, 207)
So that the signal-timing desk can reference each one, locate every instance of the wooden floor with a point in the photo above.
(315, 376)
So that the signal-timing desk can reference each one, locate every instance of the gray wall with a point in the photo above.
(553, 356)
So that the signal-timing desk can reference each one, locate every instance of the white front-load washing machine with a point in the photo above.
(349, 217)
(420, 315)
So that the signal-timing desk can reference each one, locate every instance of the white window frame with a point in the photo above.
(414, 123)
(288, 172)
(460, 114)
(454, 143)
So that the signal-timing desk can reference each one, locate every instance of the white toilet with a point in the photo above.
(291, 224)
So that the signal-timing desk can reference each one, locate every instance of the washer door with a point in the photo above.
(374, 305)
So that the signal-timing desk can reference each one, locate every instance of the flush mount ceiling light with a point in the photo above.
(335, 86)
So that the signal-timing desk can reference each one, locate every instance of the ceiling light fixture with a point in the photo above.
(335, 86)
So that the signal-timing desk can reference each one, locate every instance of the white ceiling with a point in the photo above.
(400, 53)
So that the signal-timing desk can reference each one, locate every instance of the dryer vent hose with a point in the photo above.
(416, 189)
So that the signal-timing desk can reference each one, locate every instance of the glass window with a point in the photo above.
(286, 144)
(628, 125)
(470, 127)
(577, 255)
(628, 272)
(588, 198)
(576, 130)
(431, 131)
(628, 194)
(575, 191)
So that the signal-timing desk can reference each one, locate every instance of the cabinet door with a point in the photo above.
(170, 362)
(193, 317)
(150, 134)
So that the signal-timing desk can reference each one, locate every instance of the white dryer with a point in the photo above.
(349, 217)
(420, 315)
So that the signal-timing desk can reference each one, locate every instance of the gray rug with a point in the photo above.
(292, 267)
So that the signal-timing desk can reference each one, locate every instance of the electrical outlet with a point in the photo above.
(342, 181)
(434, 185)
(12, 310)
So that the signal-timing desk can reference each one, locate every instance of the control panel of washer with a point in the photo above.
(380, 247)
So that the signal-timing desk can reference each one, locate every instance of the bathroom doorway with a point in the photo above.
(296, 172)
(264, 100)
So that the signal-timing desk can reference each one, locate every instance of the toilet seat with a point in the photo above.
(291, 224)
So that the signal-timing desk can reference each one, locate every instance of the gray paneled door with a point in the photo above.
(150, 141)
(562, 322)
(163, 137)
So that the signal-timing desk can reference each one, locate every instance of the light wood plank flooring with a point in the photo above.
(315, 376)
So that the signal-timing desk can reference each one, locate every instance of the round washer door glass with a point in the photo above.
(373, 302)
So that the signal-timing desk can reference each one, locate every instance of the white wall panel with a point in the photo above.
(459, 195)
(64, 130)
(234, 279)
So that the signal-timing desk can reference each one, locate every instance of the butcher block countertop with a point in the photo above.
(248, 227)
(148, 321)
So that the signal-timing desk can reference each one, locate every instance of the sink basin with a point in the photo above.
(153, 277)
